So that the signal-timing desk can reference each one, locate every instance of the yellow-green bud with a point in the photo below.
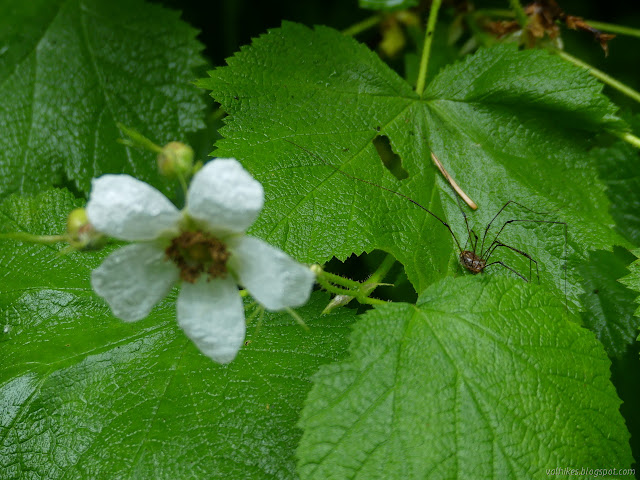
(76, 220)
(393, 38)
(81, 234)
(175, 160)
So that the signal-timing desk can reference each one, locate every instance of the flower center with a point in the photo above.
(196, 253)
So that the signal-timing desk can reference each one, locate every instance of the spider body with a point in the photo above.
(472, 262)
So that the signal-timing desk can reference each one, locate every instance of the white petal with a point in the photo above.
(212, 315)
(225, 197)
(128, 209)
(133, 279)
(272, 277)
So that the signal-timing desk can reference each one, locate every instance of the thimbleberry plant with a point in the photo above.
(200, 276)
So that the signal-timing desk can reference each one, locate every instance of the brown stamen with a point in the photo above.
(196, 253)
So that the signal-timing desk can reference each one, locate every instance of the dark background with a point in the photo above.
(225, 25)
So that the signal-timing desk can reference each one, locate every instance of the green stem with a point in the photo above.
(183, 183)
(254, 314)
(426, 48)
(612, 82)
(338, 280)
(260, 319)
(324, 283)
(361, 26)
(28, 237)
(371, 301)
(521, 16)
(136, 139)
(620, 29)
(380, 273)
(355, 289)
(627, 137)
(297, 318)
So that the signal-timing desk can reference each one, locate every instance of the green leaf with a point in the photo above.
(387, 4)
(632, 280)
(85, 395)
(483, 378)
(70, 70)
(609, 304)
(619, 167)
(506, 124)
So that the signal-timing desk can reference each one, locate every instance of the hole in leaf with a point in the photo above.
(389, 158)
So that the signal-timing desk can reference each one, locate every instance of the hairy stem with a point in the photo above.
(355, 289)
(371, 301)
(338, 280)
(329, 287)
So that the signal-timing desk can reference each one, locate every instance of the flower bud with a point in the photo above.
(393, 38)
(81, 234)
(337, 301)
(316, 269)
(175, 160)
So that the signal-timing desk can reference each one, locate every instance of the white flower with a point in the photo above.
(203, 245)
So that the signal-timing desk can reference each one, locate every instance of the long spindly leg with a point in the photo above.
(485, 254)
(475, 241)
(517, 220)
(508, 268)
(466, 222)
(486, 230)
(495, 244)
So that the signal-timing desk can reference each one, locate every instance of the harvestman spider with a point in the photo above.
(470, 259)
